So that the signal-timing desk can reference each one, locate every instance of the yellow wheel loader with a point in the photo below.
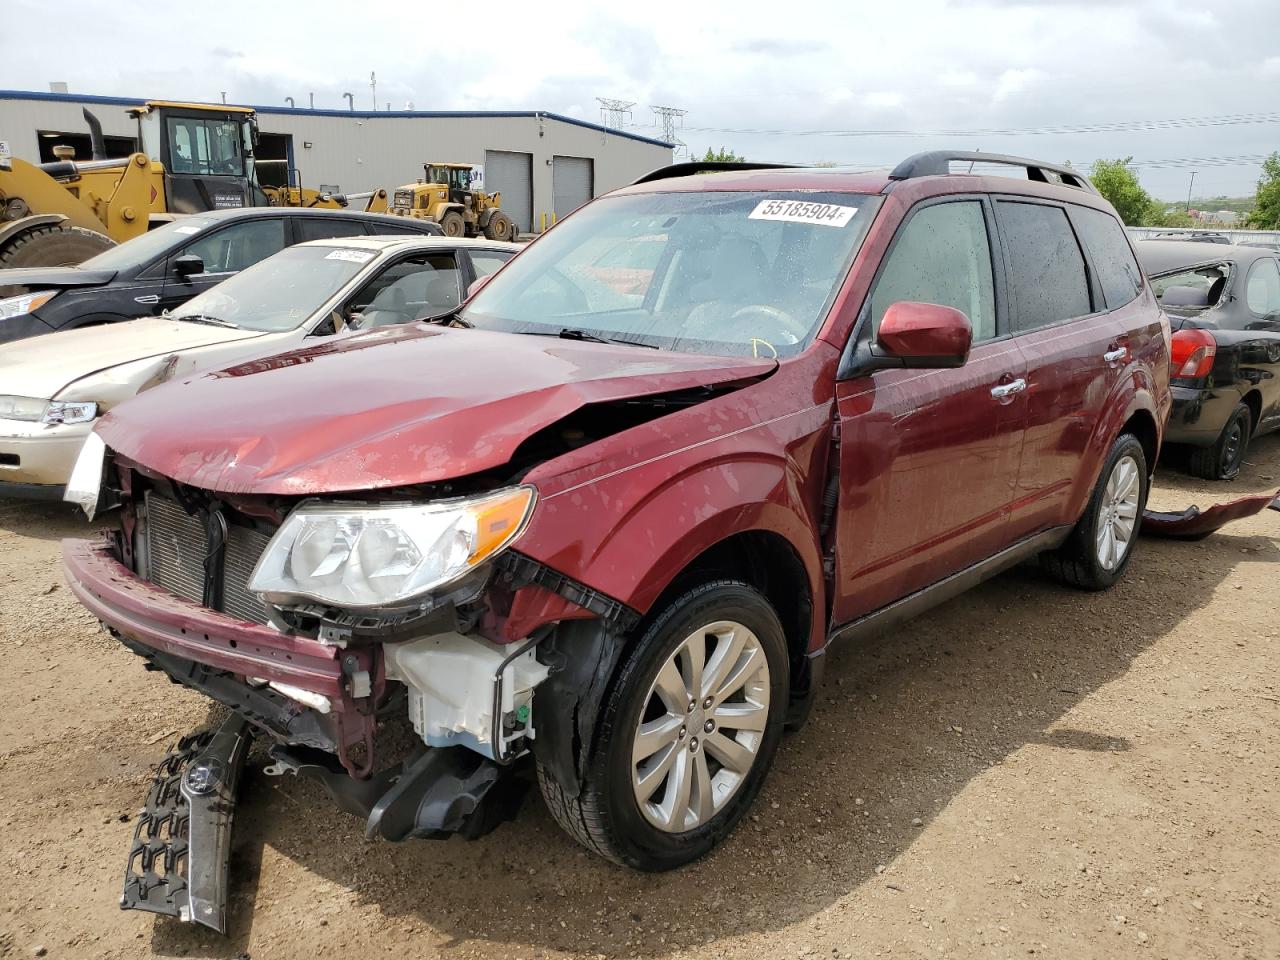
(193, 158)
(445, 196)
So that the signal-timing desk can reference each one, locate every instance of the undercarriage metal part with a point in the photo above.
(446, 791)
(182, 840)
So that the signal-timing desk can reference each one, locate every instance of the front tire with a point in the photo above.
(452, 224)
(1098, 549)
(498, 227)
(686, 734)
(1223, 458)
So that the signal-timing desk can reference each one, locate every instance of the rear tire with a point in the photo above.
(452, 224)
(1223, 458)
(1098, 549)
(498, 227)
(58, 245)
(699, 767)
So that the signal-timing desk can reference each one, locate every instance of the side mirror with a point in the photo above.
(925, 335)
(188, 265)
(477, 284)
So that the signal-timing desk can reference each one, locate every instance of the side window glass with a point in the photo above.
(1112, 257)
(488, 261)
(1262, 288)
(942, 256)
(1047, 274)
(238, 246)
(322, 228)
(423, 286)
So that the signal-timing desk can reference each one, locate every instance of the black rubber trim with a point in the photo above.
(522, 571)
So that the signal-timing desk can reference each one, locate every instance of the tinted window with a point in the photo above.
(238, 246)
(1047, 274)
(1262, 288)
(423, 286)
(942, 256)
(1112, 257)
(396, 230)
(488, 261)
(152, 244)
(322, 228)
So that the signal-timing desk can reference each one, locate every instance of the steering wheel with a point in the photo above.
(575, 301)
(786, 324)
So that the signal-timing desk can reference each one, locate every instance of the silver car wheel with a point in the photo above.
(701, 726)
(1118, 513)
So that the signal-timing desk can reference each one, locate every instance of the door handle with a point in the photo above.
(1119, 353)
(149, 299)
(1004, 390)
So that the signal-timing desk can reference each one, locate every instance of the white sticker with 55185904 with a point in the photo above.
(355, 256)
(803, 211)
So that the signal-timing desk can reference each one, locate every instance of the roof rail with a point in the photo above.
(707, 166)
(938, 162)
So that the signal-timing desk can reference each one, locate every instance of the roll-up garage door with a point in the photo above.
(511, 174)
(573, 182)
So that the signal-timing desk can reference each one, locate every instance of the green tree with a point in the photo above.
(728, 156)
(1266, 203)
(1120, 186)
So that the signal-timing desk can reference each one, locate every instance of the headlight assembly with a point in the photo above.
(26, 303)
(363, 556)
(34, 410)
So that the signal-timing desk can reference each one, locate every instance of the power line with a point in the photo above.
(1119, 126)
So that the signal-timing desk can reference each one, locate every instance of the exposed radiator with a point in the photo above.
(176, 548)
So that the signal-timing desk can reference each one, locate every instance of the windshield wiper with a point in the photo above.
(205, 318)
(572, 333)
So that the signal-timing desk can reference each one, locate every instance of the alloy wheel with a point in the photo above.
(1118, 513)
(701, 726)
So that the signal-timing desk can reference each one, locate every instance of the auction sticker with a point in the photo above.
(355, 256)
(803, 211)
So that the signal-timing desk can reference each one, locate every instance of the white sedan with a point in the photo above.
(53, 387)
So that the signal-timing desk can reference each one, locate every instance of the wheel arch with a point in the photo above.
(1253, 400)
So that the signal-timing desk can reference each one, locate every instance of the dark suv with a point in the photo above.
(169, 265)
(612, 512)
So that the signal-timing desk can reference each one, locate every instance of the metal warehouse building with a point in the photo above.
(543, 163)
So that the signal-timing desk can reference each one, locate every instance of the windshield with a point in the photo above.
(281, 292)
(152, 244)
(714, 272)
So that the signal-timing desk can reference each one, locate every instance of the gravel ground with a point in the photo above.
(1026, 770)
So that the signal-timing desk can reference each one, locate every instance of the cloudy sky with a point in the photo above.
(845, 81)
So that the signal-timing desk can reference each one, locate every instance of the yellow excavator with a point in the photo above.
(192, 158)
(446, 196)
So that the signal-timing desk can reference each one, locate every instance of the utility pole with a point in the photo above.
(615, 113)
(666, 117)
(1189, 188)
(373, 88)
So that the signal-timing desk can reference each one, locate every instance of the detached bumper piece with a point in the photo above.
(182, 841)
(1196, 524)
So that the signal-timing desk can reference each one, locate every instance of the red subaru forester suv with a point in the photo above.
(604, 520)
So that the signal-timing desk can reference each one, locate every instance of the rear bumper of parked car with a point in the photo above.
(36, 459)
(1199, 414)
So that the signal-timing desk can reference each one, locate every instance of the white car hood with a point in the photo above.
(42, 366)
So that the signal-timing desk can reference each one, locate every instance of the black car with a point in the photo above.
(170, 265)
(1223, 303)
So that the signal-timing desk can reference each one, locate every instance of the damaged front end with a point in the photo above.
(364, 641)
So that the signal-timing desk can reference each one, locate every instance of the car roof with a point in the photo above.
(861, 181)
(425, 240)
(1161, 256)
(241, 213)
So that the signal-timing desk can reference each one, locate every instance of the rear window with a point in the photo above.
(1118, 271)
(1047, 273)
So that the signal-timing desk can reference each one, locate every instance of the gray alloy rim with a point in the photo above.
(701, 726)
(1118, 513)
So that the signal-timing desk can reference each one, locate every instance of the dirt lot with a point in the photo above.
(1027, 770)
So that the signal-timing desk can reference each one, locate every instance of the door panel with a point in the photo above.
(1066, 336)
(928, 462)
(225, 252)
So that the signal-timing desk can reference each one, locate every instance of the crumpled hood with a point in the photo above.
(402, 405)
(42, 366)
